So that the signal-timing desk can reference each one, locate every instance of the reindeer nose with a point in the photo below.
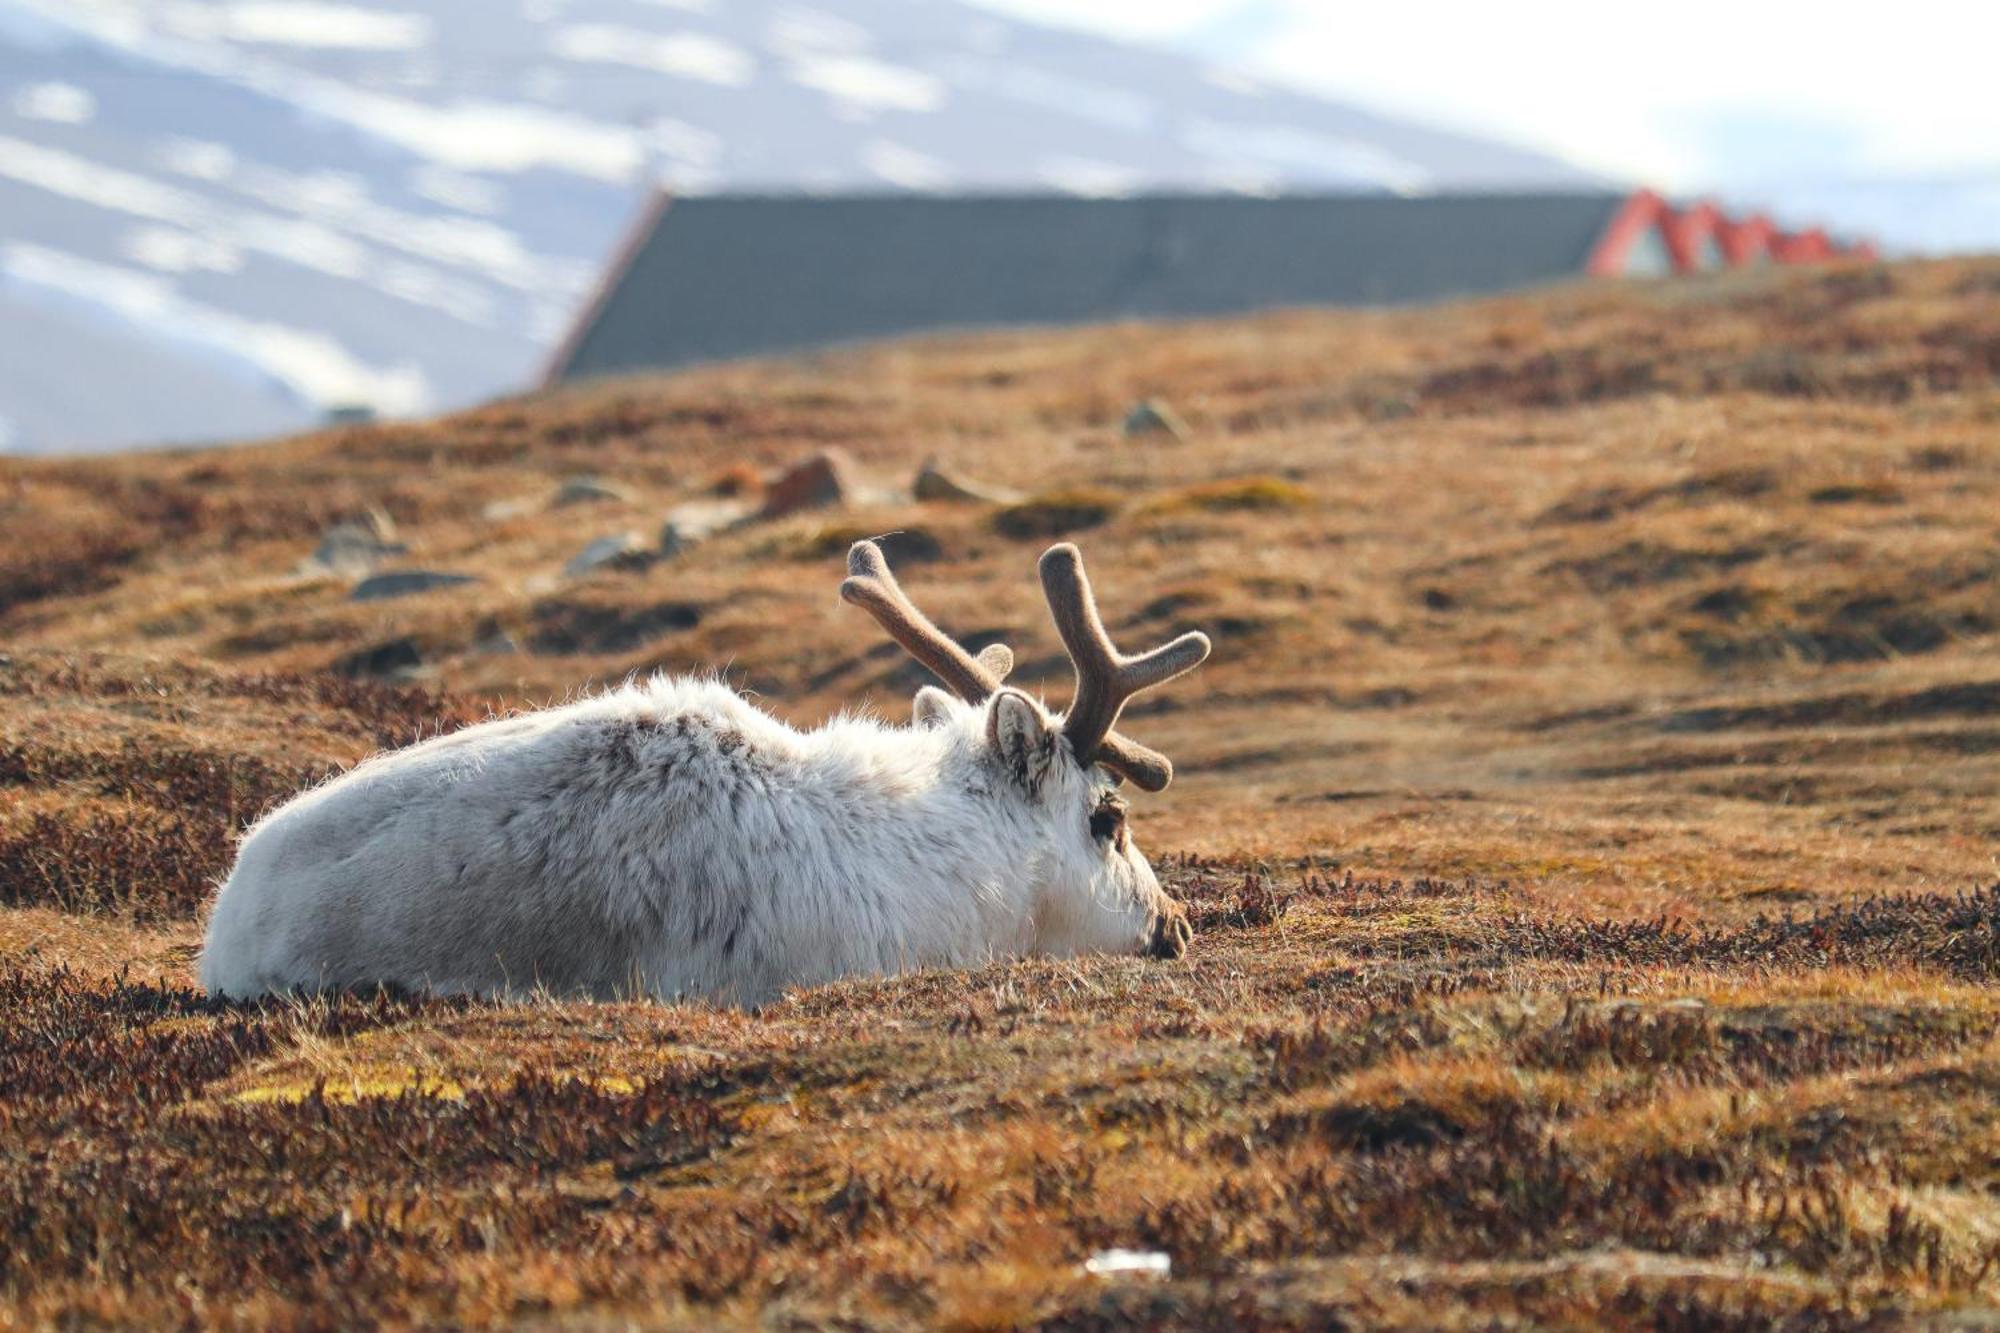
(1171, 933)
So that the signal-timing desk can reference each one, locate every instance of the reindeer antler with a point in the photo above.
(870, 586)
(1106, 679)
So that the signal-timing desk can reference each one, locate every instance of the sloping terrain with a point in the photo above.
(309, 206)
(1588, 818)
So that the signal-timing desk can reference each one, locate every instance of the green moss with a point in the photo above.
(1057, 512)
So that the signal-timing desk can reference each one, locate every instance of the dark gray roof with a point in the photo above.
(720, 276)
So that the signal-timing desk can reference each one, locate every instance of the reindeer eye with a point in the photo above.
(1107, 822)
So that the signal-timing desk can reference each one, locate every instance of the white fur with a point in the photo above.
(671, 839)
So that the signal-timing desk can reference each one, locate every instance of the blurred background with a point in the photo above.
(228, 218)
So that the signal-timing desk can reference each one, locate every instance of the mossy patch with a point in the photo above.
(1237, 495)
(1056, 513)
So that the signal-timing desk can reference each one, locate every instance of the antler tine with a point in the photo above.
(1105, 678)
(870, 586)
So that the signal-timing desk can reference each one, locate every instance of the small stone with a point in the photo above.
(621, 550)
(491, 639)
(823, 481)
(1156, 416)
(406, 582)
(698, 520)
(353, 547)
(590, 490)
(934, 483)
(396, 660)
(499, 511)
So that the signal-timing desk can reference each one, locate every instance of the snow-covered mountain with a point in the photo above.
(229, 217)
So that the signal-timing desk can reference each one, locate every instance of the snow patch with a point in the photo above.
(467, 136)
(1090, 177)
(800, 29)
(905, 167)
(1101, 104)
(1303, 154)
(57, 103)
(486, 136)
(1242, 83)
(197, 159)
(298, 23)
(312, 367)
(686, 55)
(684, 144)
(87, 182)
(456, 190)
(864, 84)
(170, 251)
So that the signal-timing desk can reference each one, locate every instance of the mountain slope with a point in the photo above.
(1588, 817)
(399, 208)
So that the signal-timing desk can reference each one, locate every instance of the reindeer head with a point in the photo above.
(1059, 773)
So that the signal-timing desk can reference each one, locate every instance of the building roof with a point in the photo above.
(710, 278)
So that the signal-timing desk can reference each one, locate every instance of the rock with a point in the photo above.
(406, 582)
(823, 481)
(621, 550)
(1156, 416)
(590, 490)
(491, 639)
(565, 628)
(934, 483)
(499, 511)
(398, 659)
(698, 520)
(738, 481)
(354, 547)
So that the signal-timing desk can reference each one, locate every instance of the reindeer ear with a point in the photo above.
(932, 707)
(1022, 739)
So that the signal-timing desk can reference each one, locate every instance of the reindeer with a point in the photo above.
(670, 839)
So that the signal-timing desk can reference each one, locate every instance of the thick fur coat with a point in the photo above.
(670, 839)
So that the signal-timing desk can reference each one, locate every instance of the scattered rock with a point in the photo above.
(934, 483)
(622, 550)
(499, 511)
(354, 547)
(395, 660)
(699, 520)
(491, 639)
(737, 481)
(1156, 416)
(590, 490)
(825, 480)
(564, 628)
(405, 582)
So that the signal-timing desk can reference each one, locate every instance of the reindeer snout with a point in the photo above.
(1171, 933)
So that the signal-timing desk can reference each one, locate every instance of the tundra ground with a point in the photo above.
(1589, 816)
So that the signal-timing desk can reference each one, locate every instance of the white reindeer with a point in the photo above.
(670, 839)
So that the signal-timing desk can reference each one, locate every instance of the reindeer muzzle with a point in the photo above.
(1171, 934)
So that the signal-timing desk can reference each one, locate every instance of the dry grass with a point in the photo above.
(1588, 817)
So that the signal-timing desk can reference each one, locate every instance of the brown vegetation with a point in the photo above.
(1588, 819)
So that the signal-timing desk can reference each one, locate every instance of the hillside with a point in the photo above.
(1587, 817)
(261, 211)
